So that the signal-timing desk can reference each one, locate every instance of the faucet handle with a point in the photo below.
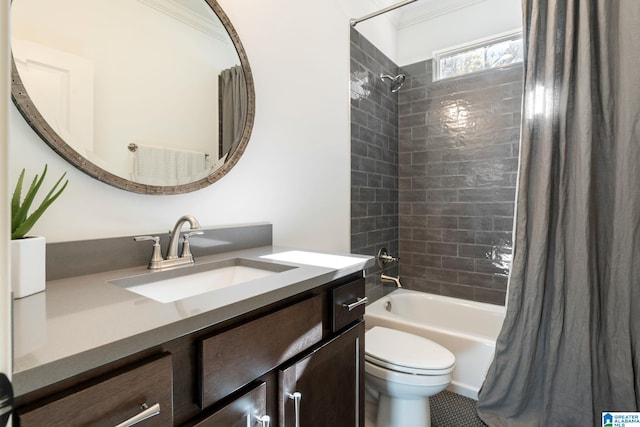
(186, 247)
(192, 233)
(384, 258)
(156, 239)
(156, 256)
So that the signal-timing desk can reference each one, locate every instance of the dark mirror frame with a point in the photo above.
(28, 110)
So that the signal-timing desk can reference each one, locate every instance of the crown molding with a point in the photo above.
(207, 25)
(431, 10)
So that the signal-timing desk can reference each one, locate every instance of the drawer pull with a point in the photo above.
(264, 421)
(359, 302)
(147, 413)
(296, 396)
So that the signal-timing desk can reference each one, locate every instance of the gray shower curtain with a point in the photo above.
(570, 345)
(233, 108)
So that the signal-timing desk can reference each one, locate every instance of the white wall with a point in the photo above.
(407, 44)
(295, 172)
(379, 30)
(486, 18)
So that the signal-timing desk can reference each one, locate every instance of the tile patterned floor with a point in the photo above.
(447, 410)
(453, 410)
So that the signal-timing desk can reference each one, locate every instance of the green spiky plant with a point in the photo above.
(21, 220)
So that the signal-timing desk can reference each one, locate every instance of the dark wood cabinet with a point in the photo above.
(347, 304)
(232, 359)
(328, 383)
(241, 372)
(141, 391)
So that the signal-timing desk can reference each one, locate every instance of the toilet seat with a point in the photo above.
(394, 378)
(406, 353)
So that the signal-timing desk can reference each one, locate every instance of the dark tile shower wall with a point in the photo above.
(374, 157)
(458, 155)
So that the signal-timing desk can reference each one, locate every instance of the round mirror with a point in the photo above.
(151, 96)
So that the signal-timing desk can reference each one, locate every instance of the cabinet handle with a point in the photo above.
(147, 412)
(264, 421)
(296, 396)
(353, 305)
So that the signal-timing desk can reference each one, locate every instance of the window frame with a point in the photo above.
(439, 54)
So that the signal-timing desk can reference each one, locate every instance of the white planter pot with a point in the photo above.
(28, 266)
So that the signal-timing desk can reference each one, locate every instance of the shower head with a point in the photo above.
(396, 82)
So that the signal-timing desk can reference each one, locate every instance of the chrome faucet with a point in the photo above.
(395, 280)
(172, 259)
(172, 250)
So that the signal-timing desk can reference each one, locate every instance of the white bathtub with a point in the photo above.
(466, 328)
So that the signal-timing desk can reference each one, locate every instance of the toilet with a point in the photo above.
(403, 370)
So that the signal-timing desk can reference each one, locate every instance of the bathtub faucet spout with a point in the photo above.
(395, 280)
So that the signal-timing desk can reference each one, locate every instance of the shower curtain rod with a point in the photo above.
(380, 12)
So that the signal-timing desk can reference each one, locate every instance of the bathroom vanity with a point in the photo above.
(285, 350)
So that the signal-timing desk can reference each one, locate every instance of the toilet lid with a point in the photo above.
(402, 351)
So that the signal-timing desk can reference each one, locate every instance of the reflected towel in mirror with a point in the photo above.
(163, 167)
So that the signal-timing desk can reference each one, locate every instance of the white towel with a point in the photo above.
(164, 167)
(190, 166)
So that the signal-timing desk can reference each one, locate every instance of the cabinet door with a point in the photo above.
(330, 383)
(247, 410)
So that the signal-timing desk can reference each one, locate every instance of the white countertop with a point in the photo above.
(84, 322)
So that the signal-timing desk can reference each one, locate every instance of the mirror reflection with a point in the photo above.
(148, 95)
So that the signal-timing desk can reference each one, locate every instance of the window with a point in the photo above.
(500, 51)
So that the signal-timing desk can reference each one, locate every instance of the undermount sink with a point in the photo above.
(185, 282)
